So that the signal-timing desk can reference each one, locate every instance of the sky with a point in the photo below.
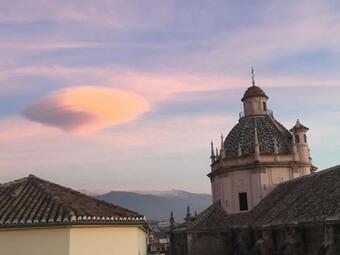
(126, 95)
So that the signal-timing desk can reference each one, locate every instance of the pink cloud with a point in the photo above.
(85, 109)
(155, 86)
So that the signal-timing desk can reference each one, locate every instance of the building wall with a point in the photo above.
(103, 240)
(254, 105)
(107, 240)
(257, 183)
(35, 242)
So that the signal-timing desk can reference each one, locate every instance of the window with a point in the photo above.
(226, 203)
(305, 138)
(243, 201)
(264, 106)
(297, 138)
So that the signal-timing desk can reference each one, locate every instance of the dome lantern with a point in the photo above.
(254, 100)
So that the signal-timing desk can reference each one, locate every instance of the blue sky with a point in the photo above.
(126, 95)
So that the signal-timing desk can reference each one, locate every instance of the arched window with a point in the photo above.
(264, 106)
(305, 138)
(297, 138)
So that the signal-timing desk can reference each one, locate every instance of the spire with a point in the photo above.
(212, 154)
(253, 76)
(216, 153)
(222, 151)
(188, 215)
(172, 220)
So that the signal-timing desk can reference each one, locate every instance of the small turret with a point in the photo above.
(299, 133)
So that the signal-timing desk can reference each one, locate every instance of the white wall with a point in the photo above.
(82, 240)
(107, 241)
(35, 242)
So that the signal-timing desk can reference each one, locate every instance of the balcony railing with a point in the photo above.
(269, 112)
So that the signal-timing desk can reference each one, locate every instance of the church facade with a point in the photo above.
(257, 154)
(267, 196)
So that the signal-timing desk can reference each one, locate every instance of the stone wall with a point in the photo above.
(313, 239)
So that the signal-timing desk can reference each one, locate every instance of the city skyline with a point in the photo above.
(127, 96)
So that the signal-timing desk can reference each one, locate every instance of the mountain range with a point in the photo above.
(157, 205)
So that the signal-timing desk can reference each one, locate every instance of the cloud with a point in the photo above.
(180, 144)
(156, 87)
(113, 14)
(85, 109)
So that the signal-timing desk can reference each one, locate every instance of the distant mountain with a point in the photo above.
(157, 206)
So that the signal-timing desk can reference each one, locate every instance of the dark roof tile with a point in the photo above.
(32, 200)
(268, 130)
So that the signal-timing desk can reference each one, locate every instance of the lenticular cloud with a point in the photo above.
(86, 108)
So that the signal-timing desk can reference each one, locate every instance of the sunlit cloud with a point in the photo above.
(155, 87)
(85, 109)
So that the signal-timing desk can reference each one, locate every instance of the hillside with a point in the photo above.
(157, 206)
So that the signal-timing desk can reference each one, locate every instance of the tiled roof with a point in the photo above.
(211, 218)
(33, 201)
(253, 91)
(268, 130)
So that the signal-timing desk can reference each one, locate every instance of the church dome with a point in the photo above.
(254, 91)
(270, 134)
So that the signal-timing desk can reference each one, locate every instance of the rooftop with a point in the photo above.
(34, 201)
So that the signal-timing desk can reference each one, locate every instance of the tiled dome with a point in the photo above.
(268, 130)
